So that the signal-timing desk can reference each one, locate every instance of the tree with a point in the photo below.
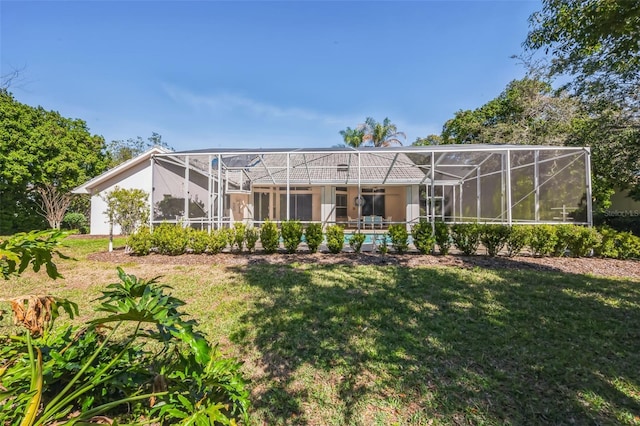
(597, 42)
(120, 151)
(373, 133)
(429, 140)
(40, 148)
(53, 204)
(382, 134)
(128, 208)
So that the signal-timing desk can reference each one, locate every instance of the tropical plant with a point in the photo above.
(35, 249)
(399, 238)
(353, 137)
(335, 238)
(356, 240)
(423, 238)
(443, 237)
(291, 231)
(269, 237)
(72, 375)
(493, 237)
(466, 237)
(313, 235)
(382, 134)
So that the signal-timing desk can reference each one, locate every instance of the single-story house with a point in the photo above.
(361, 188)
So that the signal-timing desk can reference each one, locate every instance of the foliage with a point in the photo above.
(198, 240)
(542, 239)
(493, 237)
(627, 246)
(251, 236)
(583, 241)
(399, 237)
(269, 237)
(85, 372)
(443, 237)
(335, 238)
(356, 240)
(607, 246)
(218, 240)
(564, 232)
(466, 237)
(120, 150)
(171, 239)
(291, 231)
(237, 236)
(373, 133)
(140, 242)
(76, 221)
(39, 147)
(423, 238)
(381, 243)
(34, 249)
(314, 236)
(518, 239)
(128, 208)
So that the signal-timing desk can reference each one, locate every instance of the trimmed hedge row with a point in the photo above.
(540, 240)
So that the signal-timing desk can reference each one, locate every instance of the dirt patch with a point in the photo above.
(595, 266)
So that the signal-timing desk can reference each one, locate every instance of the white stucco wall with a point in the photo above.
(137, 177)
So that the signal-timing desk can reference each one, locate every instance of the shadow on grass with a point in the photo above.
(376, 345)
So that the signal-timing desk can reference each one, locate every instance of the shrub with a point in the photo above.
(518, 239)
(269, 236)
(76, 221)
(627, 245)
(381, 243)
(466, 237)
(493, 237)
(291, 231)
(218, 240)
(423, 238)
(238, 234)
(399, 238)
(356, 240)
(251, 237)
(582, 241)
(542, 240)
(198, 240)
(607, 246)
(139, 243)
(170, 239)
(564, 233)
(443, 239)
(314, 237)
(335, 238)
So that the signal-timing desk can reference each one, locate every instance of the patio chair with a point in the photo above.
(351, 222)
(367, 220)
(377, 220)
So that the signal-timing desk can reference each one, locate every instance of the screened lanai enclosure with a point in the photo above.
(371, 188)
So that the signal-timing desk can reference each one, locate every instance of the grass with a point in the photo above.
(338, 345)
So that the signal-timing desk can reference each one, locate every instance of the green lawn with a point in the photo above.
(335, 344)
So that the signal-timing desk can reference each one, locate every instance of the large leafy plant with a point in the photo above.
(140, 360)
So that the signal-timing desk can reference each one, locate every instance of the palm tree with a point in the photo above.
(353, 137)
(382, 134)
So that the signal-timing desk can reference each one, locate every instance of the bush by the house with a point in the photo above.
(139, 243)
(493, 237)
(76, 221)
(423, 238)
(582, 241)
(399, 238)
(218, 240)
(443, 238)
(518, 239)
(381, 243)
(170, 239)
(238, 236)
(564, 233)
(198, 240)
(335, 238)
(291, 231)
(466, 237)
(269, 237)
(251, 237)
(543, 240)
(627, 245)
(313, 235)
(356, 240)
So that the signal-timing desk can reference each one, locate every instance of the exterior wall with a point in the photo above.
(138, 177)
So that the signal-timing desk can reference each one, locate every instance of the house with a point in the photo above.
(133, 173)
(363, 188)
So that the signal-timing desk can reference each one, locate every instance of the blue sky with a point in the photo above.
(260, 74)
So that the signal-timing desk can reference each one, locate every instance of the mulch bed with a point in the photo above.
(594, 266)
